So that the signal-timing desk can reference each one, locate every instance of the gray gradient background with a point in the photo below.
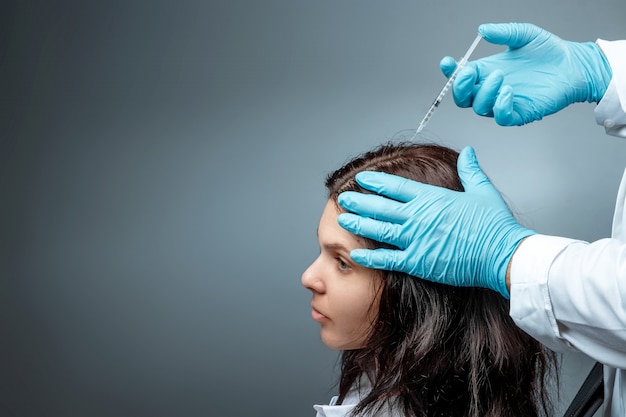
(161, 179)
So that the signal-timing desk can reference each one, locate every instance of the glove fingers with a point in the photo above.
(386, 259)
(472, 177)
(513, 35)
(373, 206)
(486, 96)
(447, 66)
(503, 109)
(392, 186)
(463, 85)
(379, 231)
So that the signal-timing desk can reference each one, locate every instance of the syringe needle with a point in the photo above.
(447, 85)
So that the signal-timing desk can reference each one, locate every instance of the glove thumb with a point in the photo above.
(472, 177)
(513, 35)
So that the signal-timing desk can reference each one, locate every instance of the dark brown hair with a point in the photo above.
(438, 350)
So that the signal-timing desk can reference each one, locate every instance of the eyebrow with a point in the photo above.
(337, 247)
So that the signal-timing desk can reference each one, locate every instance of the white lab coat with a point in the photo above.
(571, 295)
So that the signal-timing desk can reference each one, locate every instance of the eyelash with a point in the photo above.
(342, 265)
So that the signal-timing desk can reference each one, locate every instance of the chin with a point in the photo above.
(340, 344)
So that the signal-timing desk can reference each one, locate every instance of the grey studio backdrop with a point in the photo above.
(161, 180)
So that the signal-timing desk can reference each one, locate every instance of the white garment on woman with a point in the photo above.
(352, 399)
(570, 294)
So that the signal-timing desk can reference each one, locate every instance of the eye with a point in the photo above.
(343, 266)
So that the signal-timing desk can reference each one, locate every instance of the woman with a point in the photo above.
(412, 347)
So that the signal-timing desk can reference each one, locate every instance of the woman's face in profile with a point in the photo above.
(345, 294)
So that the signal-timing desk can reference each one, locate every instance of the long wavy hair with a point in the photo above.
(438, 350)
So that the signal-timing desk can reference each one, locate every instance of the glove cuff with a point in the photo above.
(509, 246)
(596, 70)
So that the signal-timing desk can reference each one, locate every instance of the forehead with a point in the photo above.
(330, 232)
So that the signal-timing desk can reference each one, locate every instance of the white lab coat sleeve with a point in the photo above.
(571, 295)
(611, 110)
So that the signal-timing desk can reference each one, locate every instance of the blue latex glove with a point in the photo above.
(539, 74)
(457, 238)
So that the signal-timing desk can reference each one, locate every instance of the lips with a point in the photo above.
(317, 316)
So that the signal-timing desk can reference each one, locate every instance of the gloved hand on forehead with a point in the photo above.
(539, 74)
(457, 238)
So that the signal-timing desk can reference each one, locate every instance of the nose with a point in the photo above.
(312, 278)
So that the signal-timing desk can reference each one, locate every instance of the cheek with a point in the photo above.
(359, 308)
(356, 309)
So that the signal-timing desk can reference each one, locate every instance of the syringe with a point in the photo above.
(446, 87)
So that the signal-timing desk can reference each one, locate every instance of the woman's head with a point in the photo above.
(346, 295)
(434, 349)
